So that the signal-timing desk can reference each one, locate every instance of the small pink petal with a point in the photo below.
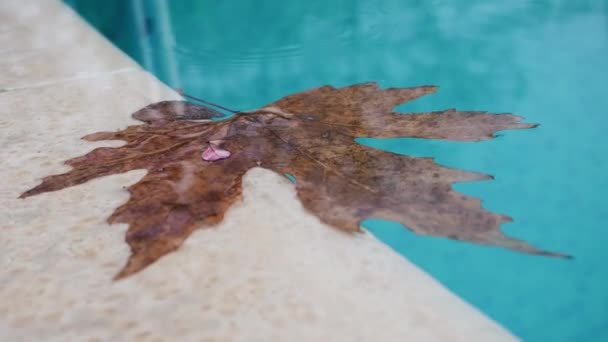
(214, 152)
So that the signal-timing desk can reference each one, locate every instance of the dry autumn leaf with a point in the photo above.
(195, 168)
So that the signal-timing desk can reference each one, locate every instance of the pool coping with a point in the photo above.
(276, 278)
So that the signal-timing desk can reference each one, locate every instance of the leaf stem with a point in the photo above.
(181, 92)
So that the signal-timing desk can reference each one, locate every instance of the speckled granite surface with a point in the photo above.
(269, 272)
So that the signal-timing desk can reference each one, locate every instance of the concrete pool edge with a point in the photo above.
(257, 274)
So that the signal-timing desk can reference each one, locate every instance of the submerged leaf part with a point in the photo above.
(309, 136)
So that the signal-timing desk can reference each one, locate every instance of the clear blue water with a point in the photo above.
(545, 60)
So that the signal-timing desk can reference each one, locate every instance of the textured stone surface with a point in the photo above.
(43, 41)
(269, 272)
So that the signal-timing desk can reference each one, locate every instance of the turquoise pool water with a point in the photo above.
(545, 60)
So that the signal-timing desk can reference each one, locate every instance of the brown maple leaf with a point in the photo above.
(309, 135)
